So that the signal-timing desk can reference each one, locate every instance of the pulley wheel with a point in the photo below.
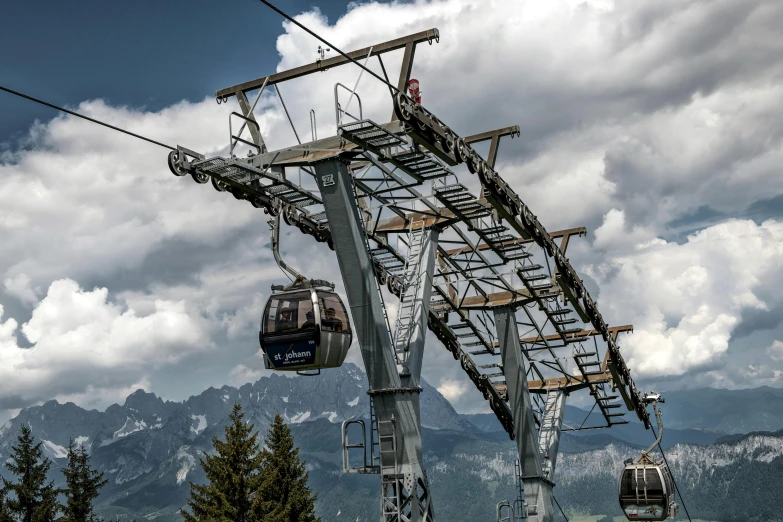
(220, 186)
(173, 166)
(199, 177)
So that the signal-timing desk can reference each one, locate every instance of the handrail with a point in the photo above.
(234, 139)
(338, 110)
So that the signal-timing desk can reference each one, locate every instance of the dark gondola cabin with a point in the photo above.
(305, 327)
(647, 491)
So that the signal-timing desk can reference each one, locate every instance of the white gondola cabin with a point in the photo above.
(646, 485)
(647, 491)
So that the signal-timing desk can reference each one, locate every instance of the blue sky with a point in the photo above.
(143, 53)
(657, 127)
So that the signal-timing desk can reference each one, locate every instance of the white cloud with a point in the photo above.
(19, 287)
(83, 343)
(452, 389)
(776, 350)
(631, 115)
(685, 300)
(242, 374)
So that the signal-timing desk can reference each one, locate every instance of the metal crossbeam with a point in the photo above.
(328, 63)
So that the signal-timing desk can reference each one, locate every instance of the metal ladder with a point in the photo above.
(412, 280)
(391, 496)
(520, 508)
(375, 459)
(545, 435)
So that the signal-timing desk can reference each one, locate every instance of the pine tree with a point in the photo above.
(233, 474)
(5, 513)
(34, 500)
(284, 495)
(83, 485)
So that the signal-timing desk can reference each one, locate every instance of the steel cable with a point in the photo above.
(676, 487)
(93, 120)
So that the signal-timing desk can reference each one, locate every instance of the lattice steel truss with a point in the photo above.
(408, 174)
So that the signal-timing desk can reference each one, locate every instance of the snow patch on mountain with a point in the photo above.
(285, 399)
(354, 402)
(202, 423)
(82, 441)
(129, 427)
(55, 450)
(187, 461)
(300, 417)
(332, 415)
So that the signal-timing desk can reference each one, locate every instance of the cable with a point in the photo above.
(36, 100)
(281, 13)
(558, 506)
(289, 116)
(588, 416)
(676, 487)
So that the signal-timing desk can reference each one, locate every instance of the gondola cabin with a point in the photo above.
(647, 491)
(305, 327)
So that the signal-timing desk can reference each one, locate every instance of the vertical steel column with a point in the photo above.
(425, 269)
(404, 488)
(538, 489)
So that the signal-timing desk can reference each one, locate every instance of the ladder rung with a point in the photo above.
(490, 375)
(562, 311)
(458, 326)
(586, 354)
(570, 331)
(529, 268)
(513, 257)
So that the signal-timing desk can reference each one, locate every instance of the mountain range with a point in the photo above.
(149, 449)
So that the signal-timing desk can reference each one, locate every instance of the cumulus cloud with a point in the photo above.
(685, 300)
(452, 389)
(82, 343)
(776, 350)
(631, 116)
(19, 287)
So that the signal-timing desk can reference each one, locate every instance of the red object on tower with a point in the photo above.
(413, 89)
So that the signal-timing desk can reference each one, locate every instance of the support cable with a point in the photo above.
(290, 19)
(588, 416)
(380, 60)
(289, 116)
(36, 100)
(676, 487)
(356, 85)
(558, 507)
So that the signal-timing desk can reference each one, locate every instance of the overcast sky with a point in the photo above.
(657, 125)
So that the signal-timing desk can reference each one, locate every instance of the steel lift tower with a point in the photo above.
(464, 254)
